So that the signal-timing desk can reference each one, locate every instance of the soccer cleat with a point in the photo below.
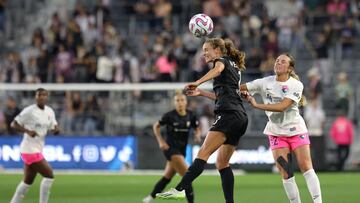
(148, 199)
(172, 194)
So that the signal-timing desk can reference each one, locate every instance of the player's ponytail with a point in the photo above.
(228, 48)
(292, 74)
(235, 54)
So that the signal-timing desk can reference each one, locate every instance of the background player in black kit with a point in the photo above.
(231, 119)
(179, 123)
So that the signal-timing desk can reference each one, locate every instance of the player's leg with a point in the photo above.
(303, 158)
(23, 187)
(213, 141)
(179, 164)
(46, 171)
(169, 173)
(283, 160)
(227, 176)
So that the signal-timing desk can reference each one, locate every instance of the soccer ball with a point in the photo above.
(201, 25)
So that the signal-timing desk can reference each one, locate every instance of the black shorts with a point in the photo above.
(174, 151)
(232, 123)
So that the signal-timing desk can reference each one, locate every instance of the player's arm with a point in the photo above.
(278, 107)
(162, 144)
(200, 92)
(15, 125)
(214, 72)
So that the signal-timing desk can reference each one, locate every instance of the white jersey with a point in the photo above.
(38, 120)
(288, 122)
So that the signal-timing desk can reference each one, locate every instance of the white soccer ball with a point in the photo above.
(201, 25)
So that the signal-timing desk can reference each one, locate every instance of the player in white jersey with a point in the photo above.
(286, 129)
(35, 121)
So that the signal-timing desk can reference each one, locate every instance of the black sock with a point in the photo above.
(190, 194)
(227, 181)
(194, 171)
(160, 185)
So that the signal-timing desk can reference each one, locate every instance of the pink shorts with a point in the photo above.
(291, 142)
(31, 158)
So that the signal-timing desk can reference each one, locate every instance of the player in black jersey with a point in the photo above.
(179, 123)
(231, 119)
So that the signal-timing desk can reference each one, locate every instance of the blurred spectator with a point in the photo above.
(348, 38)
(161, 9)
(43, 63)
(77, 109)
(32, 71)
(91, 36)
(322, 61)
(286, 25)
(213, 8)
(63, 64)
(267, 65)
(10, 112)
(314, 116)
(130, 68)
(105, 69)
(55, 32)
(81, 66)
(314, 88)
(343, 93)
(342, 133)
(335, 7)
(315, 119)
(12, 70)
(92, 115)
(166, 65)
(253, 63)
(271, 44)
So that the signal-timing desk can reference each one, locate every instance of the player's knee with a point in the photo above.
(305, 166)
(220, 164)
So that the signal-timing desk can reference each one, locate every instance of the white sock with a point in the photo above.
(292, 190)
(313, 184)
(45, 189)
(20, 192)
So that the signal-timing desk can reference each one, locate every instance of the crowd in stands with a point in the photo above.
(89, 46)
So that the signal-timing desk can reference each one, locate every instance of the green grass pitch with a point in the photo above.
(249, 188)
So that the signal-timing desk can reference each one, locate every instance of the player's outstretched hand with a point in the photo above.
(248, 97)
(191, 86)
(193, 93)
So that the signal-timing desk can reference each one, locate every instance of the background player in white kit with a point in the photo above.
(286, 130)
(35, 121)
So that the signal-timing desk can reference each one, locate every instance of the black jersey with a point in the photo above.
(178, 127)
(226, 87)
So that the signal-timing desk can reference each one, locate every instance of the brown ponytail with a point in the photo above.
(228, 48)
(235, 54)
(292, 73)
